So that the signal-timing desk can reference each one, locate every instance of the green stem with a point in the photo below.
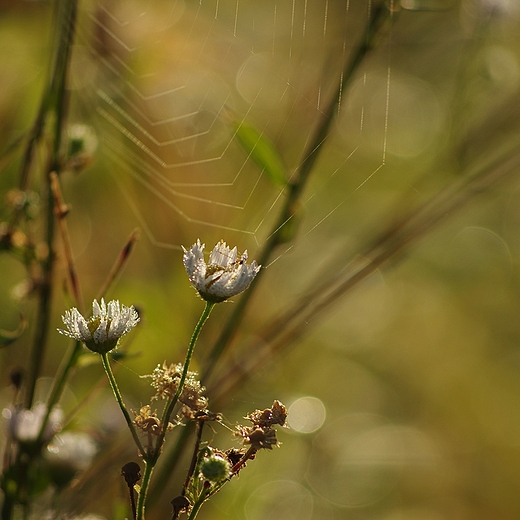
(59, 384)
(197, 505)
(194, 456)
(141, 501)
(151, 458)
(168, 410)
(170, 462)
(119, 399)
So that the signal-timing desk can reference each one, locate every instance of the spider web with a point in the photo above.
(173, 80)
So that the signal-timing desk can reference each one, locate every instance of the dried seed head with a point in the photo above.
(148, 421)
(131, 473)
(179, 504)
(277, 414)
(256, 437)
(165, 380)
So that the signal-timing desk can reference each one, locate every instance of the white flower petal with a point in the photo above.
(82, 326)
(76, 325)
(96, 309)
(193, 257)
(113, 309)
(100, 334)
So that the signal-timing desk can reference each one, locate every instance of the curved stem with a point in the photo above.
(119, 399)
(151, 458)
(168, 410)
(197, 505)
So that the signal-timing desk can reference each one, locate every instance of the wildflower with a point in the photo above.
(102, 331)
(67, 454)
(24, 425)
(223, 276)
(82, 146)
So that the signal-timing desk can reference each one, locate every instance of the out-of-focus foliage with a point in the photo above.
(406, 393)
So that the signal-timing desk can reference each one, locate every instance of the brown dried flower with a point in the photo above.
(148, 421)
(277, 414)
(165, 380)
(256, 437)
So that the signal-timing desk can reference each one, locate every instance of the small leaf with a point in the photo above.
(261, 150)
(7, 337)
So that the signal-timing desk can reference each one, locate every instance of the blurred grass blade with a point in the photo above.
(7, 336)
(261, 150)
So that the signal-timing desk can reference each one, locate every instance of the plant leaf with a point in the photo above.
(261, 150)
(7, 336)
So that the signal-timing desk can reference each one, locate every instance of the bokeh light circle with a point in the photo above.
(306, 415)
(279, 500)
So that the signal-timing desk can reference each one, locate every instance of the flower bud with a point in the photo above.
(215, 468)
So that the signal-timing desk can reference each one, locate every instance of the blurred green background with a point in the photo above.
(404, 395)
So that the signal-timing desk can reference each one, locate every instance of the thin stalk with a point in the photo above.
(61, 210)
(247, 455)
(197, 505)
(119, 263)
(59, 385)
(195, 454)
(170, 461)
(378, 18)
(141, 501)
(54, 102)
(152, 458)
(121, 403)
(168, 410)
(132, 502)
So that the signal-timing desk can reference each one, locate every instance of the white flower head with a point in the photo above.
(102, 331)
(24, 425)
(74, 448)
(223, 276)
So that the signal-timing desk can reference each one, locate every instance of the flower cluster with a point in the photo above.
(223, 276)
(165, 380)
(102, 331)
(261, 434)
